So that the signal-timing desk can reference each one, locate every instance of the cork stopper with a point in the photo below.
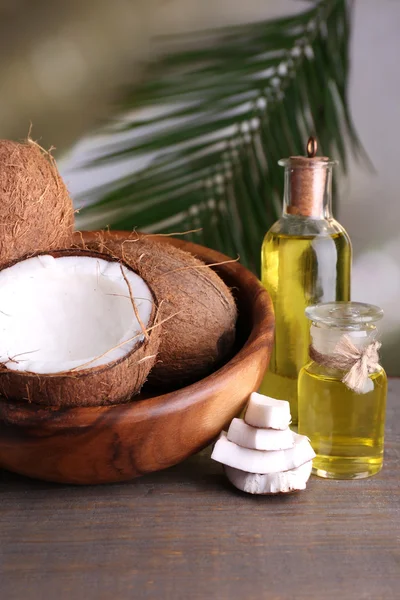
(307, 181)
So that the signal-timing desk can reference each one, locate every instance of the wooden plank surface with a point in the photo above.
(186, 534)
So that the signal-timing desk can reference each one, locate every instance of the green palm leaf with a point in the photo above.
(231, 106)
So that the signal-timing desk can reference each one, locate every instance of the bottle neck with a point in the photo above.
(325, 339)
(308, 191)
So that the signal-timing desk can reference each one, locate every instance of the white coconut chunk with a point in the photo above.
(263, 411)
(271, 483)
(259, 439)
(263, 461)
(70, 312)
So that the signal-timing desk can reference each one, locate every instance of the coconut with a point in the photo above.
(77, 329)
(263, 461)
(197, 308)
(283, 482)
(36, 212)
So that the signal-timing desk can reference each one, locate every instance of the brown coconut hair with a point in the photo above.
(36, 211)
(201, 313)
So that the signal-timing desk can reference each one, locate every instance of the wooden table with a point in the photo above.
(186, 534)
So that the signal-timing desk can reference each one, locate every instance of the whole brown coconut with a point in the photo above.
(197, 309)
(36, 212)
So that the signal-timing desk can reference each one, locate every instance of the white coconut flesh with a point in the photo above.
(70, 312)
(263, 461)
(270, 483)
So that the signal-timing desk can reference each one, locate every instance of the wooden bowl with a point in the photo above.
(118, 443)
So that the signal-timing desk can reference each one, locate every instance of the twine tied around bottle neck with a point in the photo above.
(358, 363)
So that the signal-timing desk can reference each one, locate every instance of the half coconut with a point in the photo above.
(77, 328)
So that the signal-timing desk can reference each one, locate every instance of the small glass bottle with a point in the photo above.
(305, 259)
(345, 427)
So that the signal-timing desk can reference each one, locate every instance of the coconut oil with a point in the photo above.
(346, 428)
(305, 259)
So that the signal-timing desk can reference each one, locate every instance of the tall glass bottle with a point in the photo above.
(305, 259)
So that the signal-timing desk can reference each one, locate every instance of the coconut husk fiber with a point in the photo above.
(36, 212)
(113, 383)
(200, 331)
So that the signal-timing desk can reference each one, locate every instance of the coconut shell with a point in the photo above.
(201, 313)
(113, 383)
(36, 212)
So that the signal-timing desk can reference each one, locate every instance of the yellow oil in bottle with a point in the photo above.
(298, 270)
(346, 429)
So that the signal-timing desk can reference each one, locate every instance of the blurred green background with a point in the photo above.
(71, 67)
